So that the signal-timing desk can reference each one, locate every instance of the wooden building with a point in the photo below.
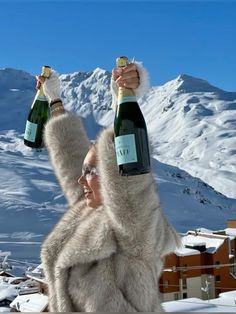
(204, 267)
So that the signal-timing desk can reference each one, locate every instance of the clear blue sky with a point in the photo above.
(171, 37)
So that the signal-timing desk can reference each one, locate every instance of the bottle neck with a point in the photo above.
(126, 95)
(40, 94)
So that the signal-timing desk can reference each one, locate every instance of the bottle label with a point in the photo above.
(30, 131)
(123, 99)
(125, 149)
(42, 98)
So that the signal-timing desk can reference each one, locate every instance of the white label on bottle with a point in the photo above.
(42, 98)
(30, 131)
(125, 149)
(123, 99)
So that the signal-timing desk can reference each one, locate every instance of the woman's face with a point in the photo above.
(90, 180)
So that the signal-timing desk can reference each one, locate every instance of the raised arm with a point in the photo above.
(132, 202)
(66, 141)
(67, 144)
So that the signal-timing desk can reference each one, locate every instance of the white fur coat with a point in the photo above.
(107, 259)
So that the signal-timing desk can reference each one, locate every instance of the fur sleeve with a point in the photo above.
(132, 204)
(67, 144)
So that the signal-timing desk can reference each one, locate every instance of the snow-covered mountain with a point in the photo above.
(192, 127)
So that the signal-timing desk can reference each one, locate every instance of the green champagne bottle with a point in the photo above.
(37, 116)
(131, 139)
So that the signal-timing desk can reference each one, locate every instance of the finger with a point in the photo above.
(116, 73)
(131, 83)
(38, 85)
(127, 79)
(40, 78)
(130, 67)
(129, 75)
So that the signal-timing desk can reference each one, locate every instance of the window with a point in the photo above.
(185, 295)
(217, 263)
(176, 296)
(184, 283)
(217, 278)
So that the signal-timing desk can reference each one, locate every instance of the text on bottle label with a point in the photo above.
(125, 149)
(30, 131)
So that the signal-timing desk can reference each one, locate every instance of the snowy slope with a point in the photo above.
(193, 125)
(187, 119)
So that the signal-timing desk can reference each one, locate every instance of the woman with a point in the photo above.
(106, 252)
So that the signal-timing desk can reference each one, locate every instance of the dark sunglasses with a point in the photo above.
(88, 170)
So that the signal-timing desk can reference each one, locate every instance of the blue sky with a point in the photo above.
(171, 37)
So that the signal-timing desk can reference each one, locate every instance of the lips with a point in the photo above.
(87, 193)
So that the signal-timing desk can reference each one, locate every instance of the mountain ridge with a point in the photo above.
(188, 119)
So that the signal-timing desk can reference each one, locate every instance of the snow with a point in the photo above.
(4, 309)
(194, 128)
(38, 270)
(7, 291)
(193, 134)
(212, 244)
(225, 303)
(231, 232)
(186, 252)
(36, 302)
(230, 295)
(198, 305)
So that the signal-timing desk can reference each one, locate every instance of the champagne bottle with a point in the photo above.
(37, 116)
(131, 139)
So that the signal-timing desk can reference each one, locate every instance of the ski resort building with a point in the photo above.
(203, 268)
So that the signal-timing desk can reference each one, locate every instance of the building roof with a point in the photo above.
(38, 269)
(231, 232)
(37, 274)
(212, 242)
(186, 252)
(198, 305)
(5, 273)
(35, 302)
(7, 291)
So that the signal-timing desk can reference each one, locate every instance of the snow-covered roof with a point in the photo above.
(37, 274)
(5, 273)
(198, 305)
(7, 291)
(186, 252)
(35, 302)
(212, 243)
(38, 269)
(205, 230)
(14, 280)
(231, 231)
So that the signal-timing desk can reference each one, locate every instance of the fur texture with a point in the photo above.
(107, 259)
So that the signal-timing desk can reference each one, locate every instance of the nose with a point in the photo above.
(82, 180)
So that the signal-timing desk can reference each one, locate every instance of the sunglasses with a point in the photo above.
(88, 170)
